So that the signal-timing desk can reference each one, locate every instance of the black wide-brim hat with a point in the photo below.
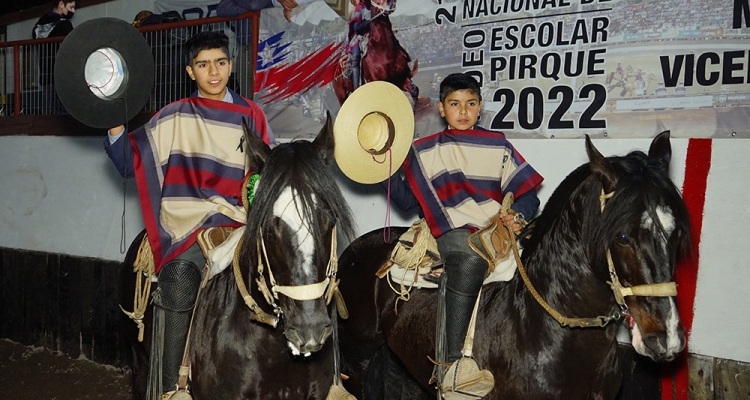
(128, 60)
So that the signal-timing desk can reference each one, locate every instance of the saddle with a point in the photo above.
(415, 260)
(493, 242)
(416, 250)
(218, 245)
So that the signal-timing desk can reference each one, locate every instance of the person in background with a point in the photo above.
(56, 22)
(52, 24)
(233, 8)
(197, 186)
(458, 178)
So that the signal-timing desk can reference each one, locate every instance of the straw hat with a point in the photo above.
(373, 132)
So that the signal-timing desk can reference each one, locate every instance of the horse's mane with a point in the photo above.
(643, 185)
(300, 166)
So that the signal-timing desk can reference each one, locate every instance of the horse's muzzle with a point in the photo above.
(659, 346)
(308, 341)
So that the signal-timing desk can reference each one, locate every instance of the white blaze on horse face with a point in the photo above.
(672, 319)
(674, 344)
(666, 219)
(637, 340)
(286, 210)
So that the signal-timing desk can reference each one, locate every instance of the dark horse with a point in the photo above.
(644, 226)
(291, 230)
(385, 60)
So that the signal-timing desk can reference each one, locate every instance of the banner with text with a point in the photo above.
(547, 68)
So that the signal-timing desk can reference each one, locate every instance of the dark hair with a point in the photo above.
(56, 3)
(205, 40)
(459, 81)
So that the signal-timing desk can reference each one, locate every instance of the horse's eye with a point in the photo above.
(623, 239)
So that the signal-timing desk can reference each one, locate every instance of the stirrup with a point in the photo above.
(177, 395)
(465, 381)
(338, 392)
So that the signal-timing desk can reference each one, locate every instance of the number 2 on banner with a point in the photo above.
(533, 97)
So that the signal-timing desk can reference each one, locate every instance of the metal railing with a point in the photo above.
(27, 78)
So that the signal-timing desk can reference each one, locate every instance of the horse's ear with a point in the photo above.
(661, 149)
(601, 167)
(324, 142)
(257, 150)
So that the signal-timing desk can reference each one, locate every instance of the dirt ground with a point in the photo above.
(36, 373)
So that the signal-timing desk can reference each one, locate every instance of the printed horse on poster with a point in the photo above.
(385, 59)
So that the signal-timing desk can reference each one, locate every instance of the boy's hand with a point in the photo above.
(116, 130)
(514, 221)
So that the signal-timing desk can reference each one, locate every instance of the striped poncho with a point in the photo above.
(189, 167)
(460, 177)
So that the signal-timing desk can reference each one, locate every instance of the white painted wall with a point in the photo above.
(63, 195)
(721, 325)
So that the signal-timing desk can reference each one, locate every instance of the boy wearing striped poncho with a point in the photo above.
(458, 178)
(189, 166)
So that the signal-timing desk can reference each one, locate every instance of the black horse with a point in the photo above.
(288, 249)
(643, 229)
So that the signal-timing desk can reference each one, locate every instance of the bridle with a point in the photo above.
(324, 288)
(665, 289)
(300, 292)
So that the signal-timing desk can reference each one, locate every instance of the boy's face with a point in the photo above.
(210, 70)
(460, 109)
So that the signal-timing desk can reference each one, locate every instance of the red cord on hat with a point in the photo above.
(387, 222)
(111, 76)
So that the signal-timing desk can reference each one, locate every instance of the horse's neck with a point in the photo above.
(561, 272)
(382, 28)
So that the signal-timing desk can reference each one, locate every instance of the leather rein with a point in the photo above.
(313, 291)
(666, 289)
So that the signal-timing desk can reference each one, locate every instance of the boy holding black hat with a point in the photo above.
(189, 166)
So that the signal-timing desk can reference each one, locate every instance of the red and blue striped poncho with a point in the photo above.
(189, 168)
(459, 177)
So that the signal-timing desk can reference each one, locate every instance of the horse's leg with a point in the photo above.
(360, 335)
(388, 379)
(410, 334)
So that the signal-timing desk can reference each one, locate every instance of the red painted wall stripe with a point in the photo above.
(675, 383)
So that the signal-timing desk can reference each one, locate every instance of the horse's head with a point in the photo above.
(643, 232)
(290, 240)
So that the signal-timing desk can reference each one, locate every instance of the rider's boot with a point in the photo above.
(355, 77)
(174, 300)
(463, 380)
(354, 67)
